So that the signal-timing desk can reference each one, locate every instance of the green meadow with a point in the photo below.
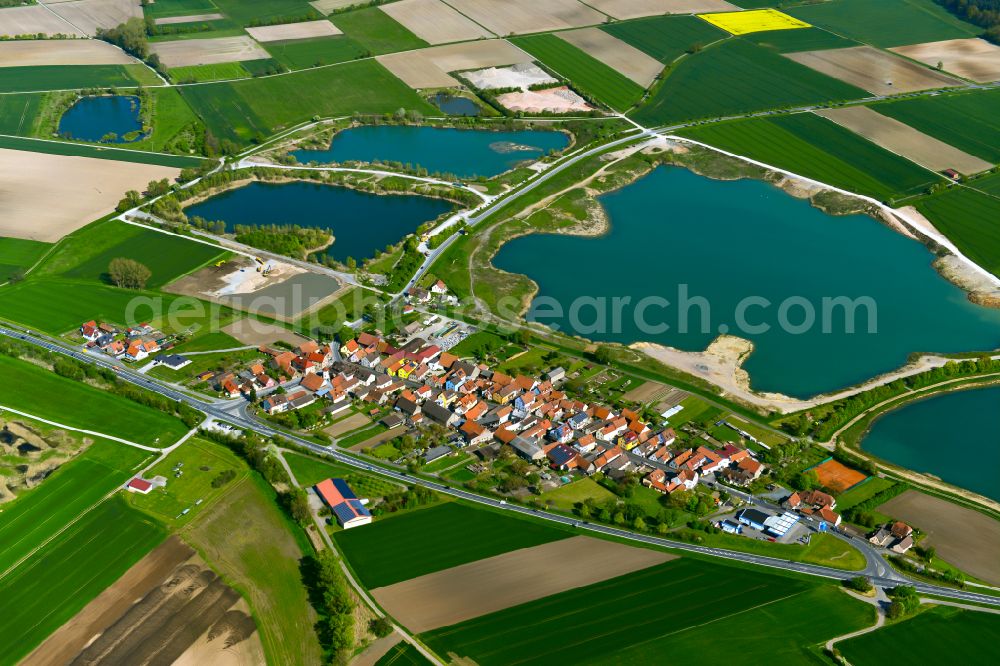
(241, 110)
(666, 38)
(17, 255)
(305, 53)
(969, 219)
(168, 257)
(213, 72)
(60, 77)
(18, 112)
(45, 591)
(736, 77)
(37, 514)
(938, 635)
(376, 31)
(436, 538)
(885, 23)
(35, 390)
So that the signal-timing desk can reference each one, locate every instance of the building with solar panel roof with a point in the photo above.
(347, 508)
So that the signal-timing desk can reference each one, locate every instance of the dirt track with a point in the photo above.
(964, 537)
(447, 597)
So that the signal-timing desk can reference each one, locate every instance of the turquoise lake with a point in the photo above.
(93, 118)
(925, 436)
(361, 222)
(730, 241)
(465, 153)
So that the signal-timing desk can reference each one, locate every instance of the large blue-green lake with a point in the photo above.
(361, 222)
(745, 252)
(954, 436)
(463, 152)
(93, 118)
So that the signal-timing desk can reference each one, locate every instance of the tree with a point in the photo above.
(380, 626)
(128, 273)
(131, 200)
(603, 355)
(859, 583)
(158, 188)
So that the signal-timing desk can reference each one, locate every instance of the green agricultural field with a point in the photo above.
(251, 12)
(212, 341)
(208, 470)
(820, 149)
(587, 74)
(860, 493)
(968, 121)
(74, 487)
(99, 152)
(376, 31)
(246, 538)
(309, 471)
(175, 127)
(655, 614)
(666, 38)
(989, 184)
(402, 654)
(164, 8)
(18, 113)
(807, 39)
(305, 53)
(937, 635)
(44, 592)
(167, 257)
(736, 77)
(214, 72)
(35, 390)
(59, 77)
(969, 219)
(17, 255)
(240, 110)
(885, 23)
(436, 538)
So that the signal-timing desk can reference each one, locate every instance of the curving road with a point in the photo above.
(235, 412)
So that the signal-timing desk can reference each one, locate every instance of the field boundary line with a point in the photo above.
(4, 408)
(65, 527)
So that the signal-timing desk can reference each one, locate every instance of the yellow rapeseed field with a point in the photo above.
(758, 20)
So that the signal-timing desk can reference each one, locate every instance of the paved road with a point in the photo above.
(235, 413)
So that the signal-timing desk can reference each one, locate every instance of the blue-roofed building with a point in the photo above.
(347, 508)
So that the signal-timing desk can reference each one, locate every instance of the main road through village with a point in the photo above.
(235, 412)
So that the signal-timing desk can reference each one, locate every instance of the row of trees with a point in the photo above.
(984, 13)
